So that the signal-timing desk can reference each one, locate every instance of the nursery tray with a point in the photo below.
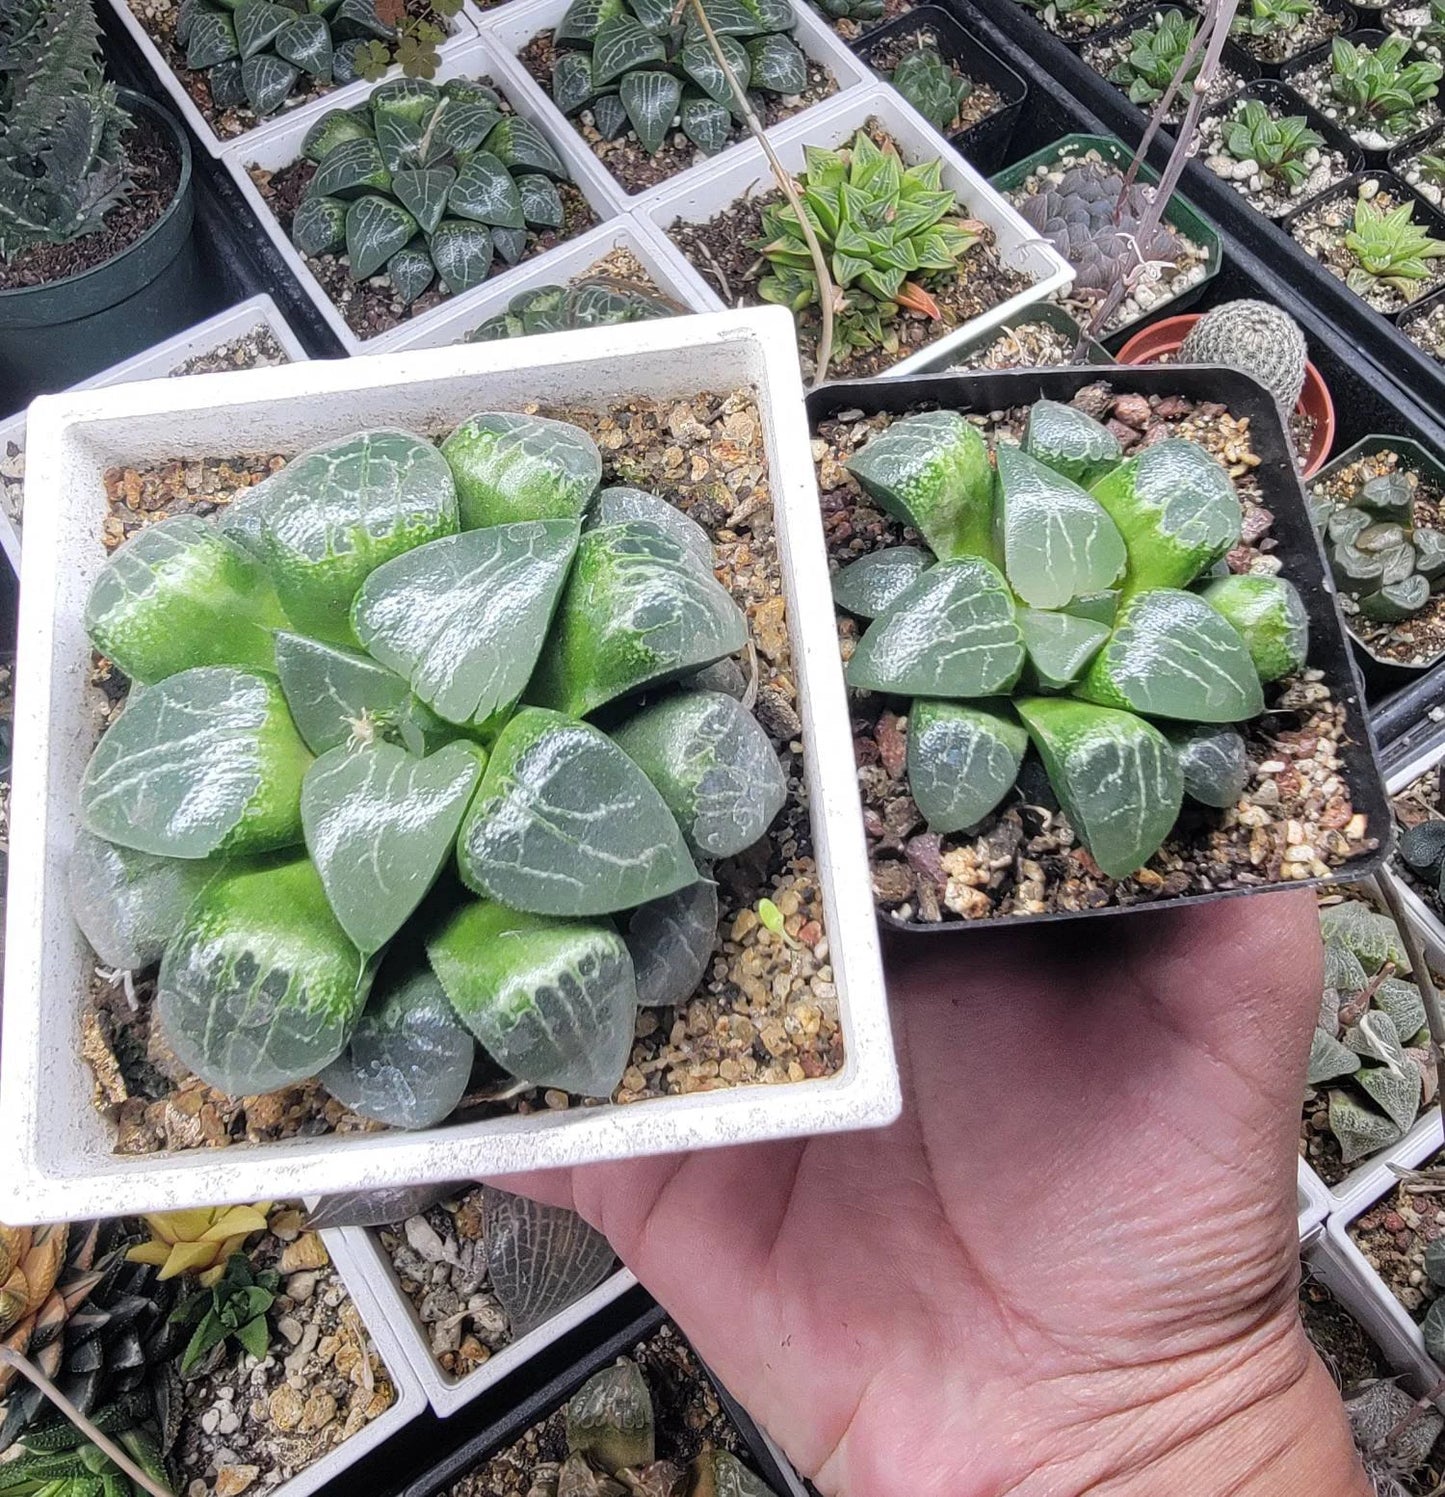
(61, 1159)
(505, 1422)
(1298, 544)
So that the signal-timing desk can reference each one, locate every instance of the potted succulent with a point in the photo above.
(1372, 85)
(1274, 31)
(1074, 21)
(96, 255)
(1414, 787)
(1048, 690)
(976, 260)
(409, 1058)
(232, 67)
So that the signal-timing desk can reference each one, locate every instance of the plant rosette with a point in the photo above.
(1141, 56)
(976, 263)
(644, 92)
(1014, 625)
(1375, 235)
(1274, 31)
(1273, 156)
(1372, 86)
(1076, 20)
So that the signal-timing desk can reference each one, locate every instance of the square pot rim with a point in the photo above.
(45, 1184)
(1347, 687)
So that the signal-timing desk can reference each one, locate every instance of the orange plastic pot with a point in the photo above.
(1158, 341)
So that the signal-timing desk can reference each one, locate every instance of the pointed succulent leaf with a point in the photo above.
(204, 763)
(619, 504)
(268, 81)
(211, 40)
(400, 142)
(520, 146)
(379, 824)
(257, 23)
(610, 1419)
(540, 1259)
(700, 64)
(179, 594)
(1422, 848)
(962, 760)
(376, 228)
(566, 824)
(1344, 971)
(336, 512)
(552, 1001)
(484, 191)
(609, 116)
(305, 42)
(1369, 934)
(1063, 438)
(510, 244)
(129, 904)
(952, 633)
(1215, 763)
(572, 83)
(464, 618)
(378, 1206)
(410, 272)
(261, 988)
(1432, 1330)
(1059, 645)
(360, 18)
(1270, 618)
(332, 691)
(409, 1058)
(671, 940)
(932, 472)
(873, 583)
(713, 765)
(637, 610)
(1329, 1059)
(1359, 1130)
(584, 18)
(1172, 655)
(350, 168)
(651, 98)
(411, 99)
(1402, 1002)
(462, 253)
(1376, 1038)
(460, 127)
(541, 202)
(719, 1473)
(1396, 1092)
(227, 84)
(706, 123)
(777, 65)
(1116, 777)
(1177, 510)
(514, 467)
(318, 226)
(621, 46)
(1057, 541)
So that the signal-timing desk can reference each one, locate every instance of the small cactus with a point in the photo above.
(1255, 337)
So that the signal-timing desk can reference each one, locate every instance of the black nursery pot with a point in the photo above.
(985, 144)
(1349, 17)
(508, 1416)
(53, 335)
(1299, 548)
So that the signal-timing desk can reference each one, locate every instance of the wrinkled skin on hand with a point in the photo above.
(1069, 1267)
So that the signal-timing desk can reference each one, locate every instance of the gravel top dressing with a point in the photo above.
(767, 1010)
(1294, 818)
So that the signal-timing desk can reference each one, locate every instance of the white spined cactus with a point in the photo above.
(1255, 337)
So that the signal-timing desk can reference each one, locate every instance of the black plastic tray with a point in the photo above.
(986, 143)
(1299, 549)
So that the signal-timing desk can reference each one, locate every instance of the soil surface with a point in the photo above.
(1025, 345)
(1427, 330)
(624, 156)
(1313, 83)
(1107, 53)
(1419, 640)
(257, 349)
(767, 1012)
(159, 17)
(1294, 821)
(722, 249)
(983, 101)
(1270, 194)
(689, 1415)
(372, 306)
(1279, 46)
(154, 166)
(1394, 1233)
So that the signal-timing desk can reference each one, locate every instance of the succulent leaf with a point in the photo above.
(962, 760)
(1072, 443)
(671, 941)
(512, 467)
(1214, 761)
(1270, 617)
(870, 585)
(540, 1259)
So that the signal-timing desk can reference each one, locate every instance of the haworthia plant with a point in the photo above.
(1067, 586)
(410, 760)
(540, 1259)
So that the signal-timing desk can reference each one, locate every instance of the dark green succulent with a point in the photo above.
(639, 64)
(1154, 54)
(1376, 89)
(1278, 146)
(233, 1308)
(1422, 851)
(1071, 606)
(426, 182)
(1431, 168)
(934, 89)
(62, 165)
(556, 309)
(1382, 560)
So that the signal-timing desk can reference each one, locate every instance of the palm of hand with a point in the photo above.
(1086, 1209)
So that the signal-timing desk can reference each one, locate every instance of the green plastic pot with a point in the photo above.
(54, 335)
(1047, 312)
(1179, 214)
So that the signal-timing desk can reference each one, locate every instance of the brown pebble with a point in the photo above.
(231, 1481)
(1132, 410)
(892, 744)
(285, 1408)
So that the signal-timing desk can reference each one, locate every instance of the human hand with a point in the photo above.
(1069, 1267)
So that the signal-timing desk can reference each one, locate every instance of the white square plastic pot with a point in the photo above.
(513, 25)
(1312, 1199)
(744, 172)
(460, 29)
(158, 363)
(475, 59)
(60, 1163)
(1397, 778)
(568, 261)
(374, 1285)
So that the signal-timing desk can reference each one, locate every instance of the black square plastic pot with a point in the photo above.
(986, 143)
(1285, 101)
(1428, 217)
(1299, 549)
(1349, 17)
(1371, 39)
(508, 1417)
